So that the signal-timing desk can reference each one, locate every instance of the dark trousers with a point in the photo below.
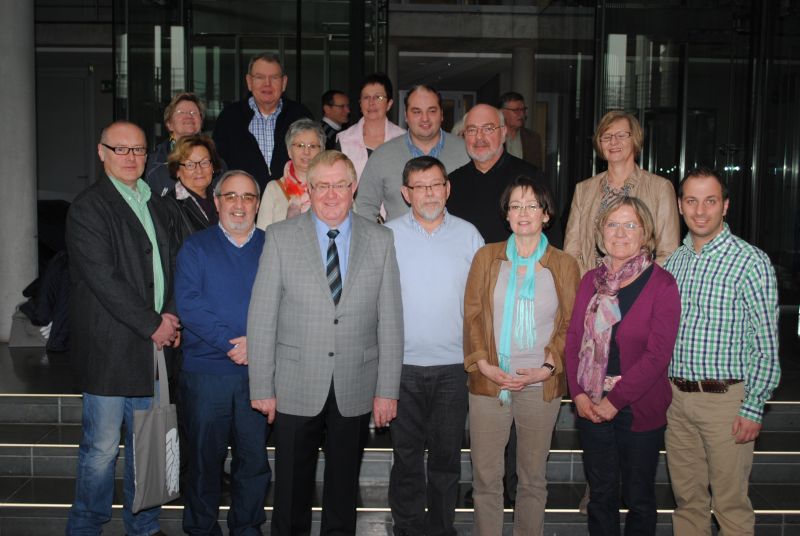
(613, 453)
(431, 413)
(297, 442)
(217, 413)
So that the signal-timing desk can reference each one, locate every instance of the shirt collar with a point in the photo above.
(323, 228)
(253, 106)
(416, 151)
(417, 226)
(140, 193)
(713, 246)
(333, 124)
(233, 240)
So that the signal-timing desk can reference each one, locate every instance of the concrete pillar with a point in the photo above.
(523, 77)
(18, 156)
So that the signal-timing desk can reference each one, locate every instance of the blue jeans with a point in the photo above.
(431, 413)
(217, 413)
(612, 452)
(97, 457)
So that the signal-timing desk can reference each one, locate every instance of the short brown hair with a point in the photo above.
(637, 134)
(540, 191)
(643, 214)
(329, 158)
(179, 98)
(184, 147)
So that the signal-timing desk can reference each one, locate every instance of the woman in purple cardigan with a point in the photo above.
(619, 345)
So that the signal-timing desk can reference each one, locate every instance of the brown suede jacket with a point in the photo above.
(479, 342)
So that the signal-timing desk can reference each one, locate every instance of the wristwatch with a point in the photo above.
(549, 367)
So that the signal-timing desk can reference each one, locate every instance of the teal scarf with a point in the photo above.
(518, 309)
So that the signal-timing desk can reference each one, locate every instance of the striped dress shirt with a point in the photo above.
(729, 317)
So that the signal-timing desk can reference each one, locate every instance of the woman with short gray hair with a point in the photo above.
(288, 196)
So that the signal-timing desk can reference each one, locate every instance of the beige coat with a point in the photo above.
(656, 192)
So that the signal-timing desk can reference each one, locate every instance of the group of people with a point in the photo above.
(298, 314)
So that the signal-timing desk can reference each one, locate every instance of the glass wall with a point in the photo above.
(716, 84)
(205, 45)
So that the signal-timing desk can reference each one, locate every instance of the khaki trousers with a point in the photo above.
(489, 428)
(701, 452)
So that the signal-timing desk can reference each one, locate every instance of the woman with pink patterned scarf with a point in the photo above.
(619, 345)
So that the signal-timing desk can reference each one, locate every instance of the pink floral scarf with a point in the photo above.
(601, 316)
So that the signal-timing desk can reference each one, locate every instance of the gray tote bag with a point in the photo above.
(156, 456)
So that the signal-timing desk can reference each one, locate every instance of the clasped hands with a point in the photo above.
(597, 413)
(168, 332)
(513, 382)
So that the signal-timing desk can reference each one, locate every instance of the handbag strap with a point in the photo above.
(160, 373)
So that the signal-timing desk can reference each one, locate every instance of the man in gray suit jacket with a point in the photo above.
(325, 345)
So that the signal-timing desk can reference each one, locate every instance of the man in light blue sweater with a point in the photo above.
(214, 277)
(434, 253)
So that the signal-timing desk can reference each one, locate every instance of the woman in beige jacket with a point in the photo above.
(618, 139)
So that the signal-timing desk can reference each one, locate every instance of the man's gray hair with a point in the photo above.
(304, 125)
(269, 57)
(231, 173)
(500, 117)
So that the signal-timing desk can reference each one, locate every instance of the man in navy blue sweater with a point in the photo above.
(214, 276)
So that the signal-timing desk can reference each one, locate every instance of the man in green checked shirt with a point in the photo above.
(725, 363)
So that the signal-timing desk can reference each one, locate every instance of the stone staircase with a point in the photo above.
(39, 437)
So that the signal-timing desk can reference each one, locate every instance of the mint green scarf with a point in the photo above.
(518, 309)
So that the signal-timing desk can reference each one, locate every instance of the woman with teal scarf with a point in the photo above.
(517, 306)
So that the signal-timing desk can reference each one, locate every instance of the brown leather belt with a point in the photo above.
(703, 386)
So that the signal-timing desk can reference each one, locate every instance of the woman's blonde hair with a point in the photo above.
(637, 134)
(643, 214)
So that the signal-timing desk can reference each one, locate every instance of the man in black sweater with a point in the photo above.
(476, 187)
(250, 133)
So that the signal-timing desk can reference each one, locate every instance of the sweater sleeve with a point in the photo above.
(370, 190)
(197, 314)
(654, 360)
(575, 334)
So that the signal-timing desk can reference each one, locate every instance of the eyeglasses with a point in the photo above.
(371, 98)
(231, 197)
(486, 130)
(521, 109)
(628, 226)
(533, 207)
(620, 136)
(339, 188)
(338, 105)
(304, 146)
(191, 164)
(261, 78)
(193, 113)
(436, 188)
(122, 151)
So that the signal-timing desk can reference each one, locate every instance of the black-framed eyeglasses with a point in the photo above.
(436, 187)
(191, 164)
(486, 130)
(122, 151)
(231, 197)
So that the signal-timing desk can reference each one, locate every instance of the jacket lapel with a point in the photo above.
(310, 246)
(358, 247)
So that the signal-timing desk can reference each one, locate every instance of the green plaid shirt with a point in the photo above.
(729, 317)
